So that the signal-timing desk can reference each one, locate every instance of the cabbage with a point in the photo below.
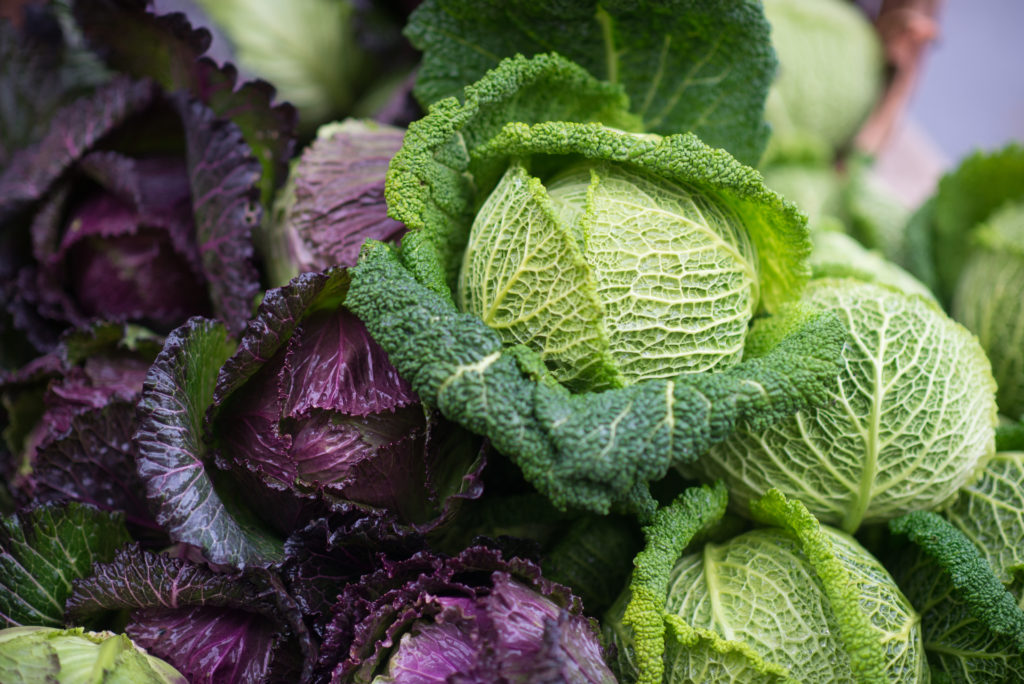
(614, 274)
(793, 602)
(989, 301)
(913, 417)
(830, 75)
(73, 656)
(333, 201)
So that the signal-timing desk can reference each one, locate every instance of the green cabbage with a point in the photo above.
(830, 75)
(75, 656)
(989, 301)
(797, 602)
(913, 417)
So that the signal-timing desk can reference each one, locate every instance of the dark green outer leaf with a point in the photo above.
(687, 65)
(173, 456)
(43, 550)
(972, 577)
(586, 451)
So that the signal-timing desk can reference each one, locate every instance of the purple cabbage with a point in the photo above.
(333, 201)
(241, 445)
(214, 627)
(73, 414)
(116, 233)
(472, 618)
(309, 404)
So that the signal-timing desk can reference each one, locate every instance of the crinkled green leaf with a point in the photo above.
(971, 576)
(173, 458)
(868, 656)
(429, 188)
(960, 648)
(43, 550)
(670, 530)
(589, 450)
(837, 255)
(687, 65)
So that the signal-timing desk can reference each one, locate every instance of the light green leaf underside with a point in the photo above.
(913, 416)
(687, 65)
(524, 276)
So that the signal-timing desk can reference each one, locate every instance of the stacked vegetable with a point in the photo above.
(551, 386)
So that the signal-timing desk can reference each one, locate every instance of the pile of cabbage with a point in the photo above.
(589, 353)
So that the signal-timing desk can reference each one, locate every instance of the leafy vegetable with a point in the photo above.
(122, 235)
(37, 654)
(139, 40)
(830, 75)
(805, 603)
(475, 616)
(211, 626)
(988, 299)
(966, 197)
(44, 549)
(967, 617)
(687, 65)
(334, 199)
(913, 416)
(587, 450)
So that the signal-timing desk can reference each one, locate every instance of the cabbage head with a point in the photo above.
(830, 75)
(794, 602)
(630, 264)
(73, 656)
(989, 301)
(913, 417)
(613, 273)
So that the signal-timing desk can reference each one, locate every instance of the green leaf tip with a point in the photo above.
(972, 577)
(862, 644)
(671, 529)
